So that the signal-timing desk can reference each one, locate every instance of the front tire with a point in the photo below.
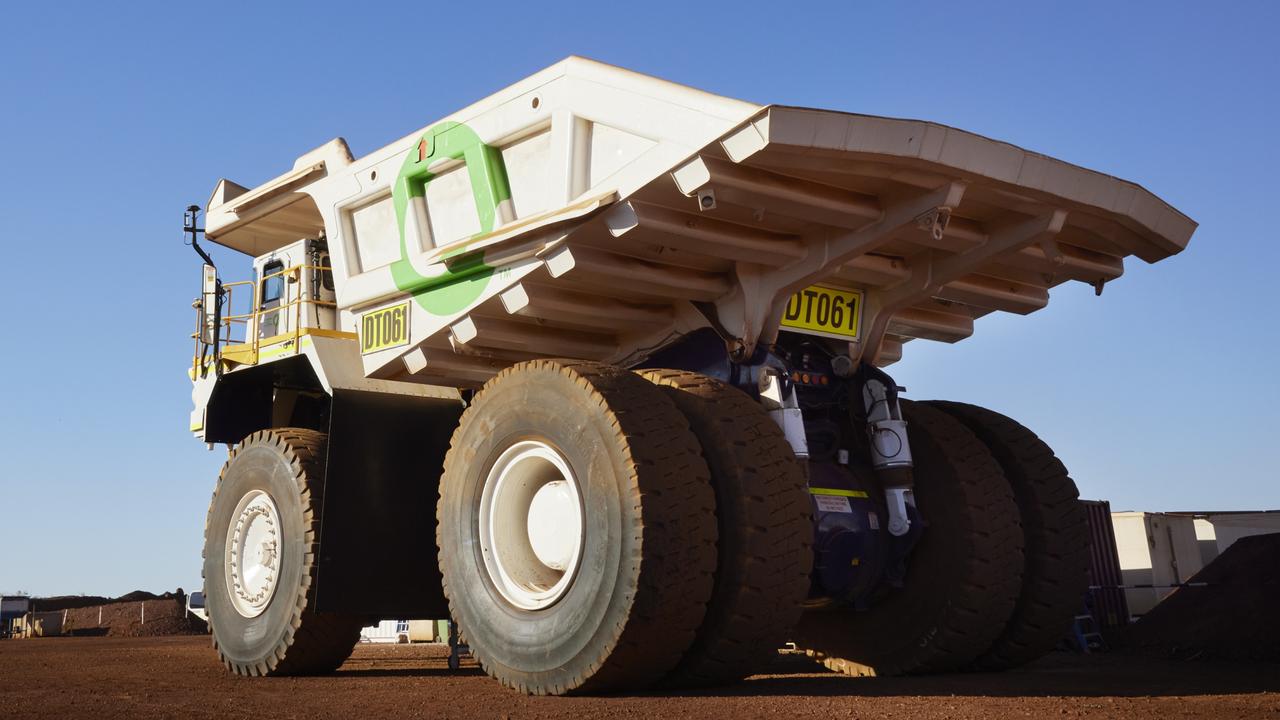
(576, 529)
(261, 541)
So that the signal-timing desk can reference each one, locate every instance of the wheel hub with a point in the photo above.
(531, 525)
(252, 558)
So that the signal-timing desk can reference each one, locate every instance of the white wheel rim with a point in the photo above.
(252, 558)
(531, 525)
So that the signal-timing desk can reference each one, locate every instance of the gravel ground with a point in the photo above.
(180, 677)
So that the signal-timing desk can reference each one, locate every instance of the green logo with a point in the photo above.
(465, 275)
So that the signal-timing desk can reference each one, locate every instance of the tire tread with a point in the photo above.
(765, 553)
(315, 643)
(1056, 537)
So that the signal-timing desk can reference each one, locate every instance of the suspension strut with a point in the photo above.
(887, 437)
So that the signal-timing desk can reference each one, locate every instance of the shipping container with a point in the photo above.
(1217, 531)
(386, 631)
(1106, 600)
(1158, 552)
(429, 631)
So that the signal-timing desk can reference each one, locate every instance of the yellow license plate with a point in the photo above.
(385, 328)
(824, 311)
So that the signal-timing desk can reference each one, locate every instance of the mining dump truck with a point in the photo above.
(596, 368)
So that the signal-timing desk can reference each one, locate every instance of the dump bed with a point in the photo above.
(591, 212)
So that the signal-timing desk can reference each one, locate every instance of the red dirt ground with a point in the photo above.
(179, 677)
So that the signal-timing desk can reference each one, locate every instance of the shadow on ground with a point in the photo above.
(374, 672)
(1056, 675)
(1059, 674)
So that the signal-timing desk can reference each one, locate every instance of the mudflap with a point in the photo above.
(377, 537)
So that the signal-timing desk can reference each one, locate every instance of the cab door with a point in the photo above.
(324, 296)
(271, 292)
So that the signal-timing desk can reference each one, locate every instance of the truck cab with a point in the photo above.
(291, 295)
(294, 290)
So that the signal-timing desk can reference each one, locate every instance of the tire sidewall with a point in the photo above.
(551, 646)
(259, 465)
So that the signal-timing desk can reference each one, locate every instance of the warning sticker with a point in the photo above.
(832, 503)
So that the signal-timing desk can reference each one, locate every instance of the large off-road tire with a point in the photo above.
(260, 551)
(962, 578)
(1055, 534)
(765, 530)
(576, 529)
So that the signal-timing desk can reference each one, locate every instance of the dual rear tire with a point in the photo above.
(643, 530)
(1055, 537)
(657, 532)
(962, 576)
(765, 530)
(1001, 567)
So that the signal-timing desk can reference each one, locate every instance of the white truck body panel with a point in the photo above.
(592, 212)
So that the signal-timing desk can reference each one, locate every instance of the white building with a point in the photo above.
(387, 631)
(1216, 531)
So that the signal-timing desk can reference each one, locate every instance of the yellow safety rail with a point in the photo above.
(247, 349)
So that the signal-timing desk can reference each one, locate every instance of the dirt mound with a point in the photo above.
(1233, 616)
(71, 602)
(177, 625)
(143, 618)
(137, 595)
(67, 602)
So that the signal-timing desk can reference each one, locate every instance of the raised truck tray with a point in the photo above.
(591, 212)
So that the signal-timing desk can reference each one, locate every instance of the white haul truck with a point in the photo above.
(595, 368)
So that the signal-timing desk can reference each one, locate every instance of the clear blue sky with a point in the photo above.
(1160, 395)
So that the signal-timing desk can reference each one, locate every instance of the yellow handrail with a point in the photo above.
(252, 320)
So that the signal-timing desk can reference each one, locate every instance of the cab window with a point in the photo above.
(326, 275)
(272, 287)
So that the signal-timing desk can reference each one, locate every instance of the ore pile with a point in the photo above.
(1232, 616)
(135, 614)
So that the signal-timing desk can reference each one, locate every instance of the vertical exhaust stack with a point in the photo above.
(211, 293)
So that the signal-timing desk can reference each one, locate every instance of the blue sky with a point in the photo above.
(1160, 395)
